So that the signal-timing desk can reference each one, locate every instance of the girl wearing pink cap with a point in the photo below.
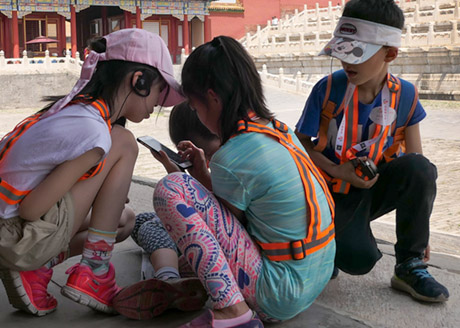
(65, 174)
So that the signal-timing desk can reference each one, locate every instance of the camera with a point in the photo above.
(366, 167)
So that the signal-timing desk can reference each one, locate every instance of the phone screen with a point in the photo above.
(155, 145)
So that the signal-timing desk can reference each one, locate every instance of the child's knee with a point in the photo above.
(357, 261)
(169, 186)
(124, 141)
(128, 217)
(421, 169)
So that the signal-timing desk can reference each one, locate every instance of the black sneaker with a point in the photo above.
(412, 277)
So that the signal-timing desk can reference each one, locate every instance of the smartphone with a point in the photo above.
(367, 167)
(155, 145)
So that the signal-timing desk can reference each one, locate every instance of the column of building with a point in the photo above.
(127, 18)
(73, 30)
(15, 30)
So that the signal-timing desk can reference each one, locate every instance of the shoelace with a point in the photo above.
(109, 293)
(421, 273)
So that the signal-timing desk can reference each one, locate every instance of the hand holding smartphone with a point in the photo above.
(367, 167)
(153, 144)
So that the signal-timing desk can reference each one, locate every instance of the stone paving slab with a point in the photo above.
(348, 301)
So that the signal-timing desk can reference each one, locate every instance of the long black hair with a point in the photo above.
(109, 76)
(224, 66)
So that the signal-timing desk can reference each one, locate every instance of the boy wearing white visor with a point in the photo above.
(360, 126)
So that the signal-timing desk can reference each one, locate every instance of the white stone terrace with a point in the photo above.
(47, 64)
(428, 23)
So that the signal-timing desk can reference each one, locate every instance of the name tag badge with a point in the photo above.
(378, 116)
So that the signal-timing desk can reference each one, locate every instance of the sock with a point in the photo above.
(225, 323)
(98, 250)
(166, 273)
(61, 257)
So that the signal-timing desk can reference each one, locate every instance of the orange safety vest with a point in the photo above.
(331, 109)
(315, 239)
(14, 196)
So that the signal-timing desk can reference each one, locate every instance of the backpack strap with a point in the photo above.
(333, 105)
(406, 107)
(335, 91)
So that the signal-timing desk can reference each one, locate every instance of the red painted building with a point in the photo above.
(241, 16)
(181, 23)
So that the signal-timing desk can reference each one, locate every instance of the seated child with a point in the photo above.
(150, 234)
(274, 265)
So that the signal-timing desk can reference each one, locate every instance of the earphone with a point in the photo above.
(142, 86)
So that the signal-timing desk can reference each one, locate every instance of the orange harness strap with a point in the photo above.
(101, 106)
(327, 113)
(315, 239)
(17, 132)
(13, 196)
(399, 143)
(8, 193)
(375, 151)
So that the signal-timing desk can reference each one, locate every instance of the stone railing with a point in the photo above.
(296, 85)
(428, 23)
(435, 72)
(424, 11)
(42, 65)
(280, 80)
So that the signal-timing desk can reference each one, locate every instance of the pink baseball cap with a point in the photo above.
(134, 45)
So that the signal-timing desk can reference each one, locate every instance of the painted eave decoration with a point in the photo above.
(234, 6)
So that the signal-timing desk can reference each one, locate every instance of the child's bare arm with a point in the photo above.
(163, 158)
(56, 184)
(199, 170)
(413, 139)
(319, 159)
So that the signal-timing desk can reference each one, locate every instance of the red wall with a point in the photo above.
(223, 23)
(256, 12)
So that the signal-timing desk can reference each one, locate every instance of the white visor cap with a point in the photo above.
(356, 40)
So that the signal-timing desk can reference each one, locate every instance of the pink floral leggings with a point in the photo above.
(215, 244)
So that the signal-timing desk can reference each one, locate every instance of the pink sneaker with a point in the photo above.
(88, 289)
(27, 290)
(149, 298)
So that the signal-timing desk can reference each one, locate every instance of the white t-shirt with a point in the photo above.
(61, 137)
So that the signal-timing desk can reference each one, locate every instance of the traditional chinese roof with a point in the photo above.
(227, 7)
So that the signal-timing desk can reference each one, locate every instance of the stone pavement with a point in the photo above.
(348, 301)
